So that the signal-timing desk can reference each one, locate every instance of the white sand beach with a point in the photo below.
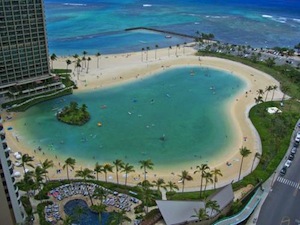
(127, 67)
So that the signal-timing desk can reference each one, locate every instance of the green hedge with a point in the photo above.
(40, 210)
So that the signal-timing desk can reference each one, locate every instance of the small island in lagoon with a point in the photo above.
(74, 115)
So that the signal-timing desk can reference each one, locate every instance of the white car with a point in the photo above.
(288, 163)
(297, 137)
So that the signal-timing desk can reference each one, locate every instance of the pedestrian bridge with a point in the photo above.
(245, 213)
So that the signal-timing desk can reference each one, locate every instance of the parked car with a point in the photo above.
(297, 138)
(291, 157)
(294, 150)
(288, 163)
(296, 144)
(283, 171)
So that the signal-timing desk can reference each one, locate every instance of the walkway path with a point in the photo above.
(246, 212)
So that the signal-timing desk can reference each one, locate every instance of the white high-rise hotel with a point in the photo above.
(24, 59)
(24, 73)
(11, 210)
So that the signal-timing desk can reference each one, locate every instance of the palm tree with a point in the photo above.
(68, 62)
(146, 164)
(142, 56)
(177, 46)
(46, 165)
(156, 47)
(268, 89)
(202, 169)
(270, 62)
(147, 194)
(76, 56)
(284, 89)
(274, 88)
(159, 183)
(170, 47)
(84, 60)
(98, 169)
(100, 193)
(183, 48)
(244, 151)
(216, 172)
(27, 182)
(86, 174)
(53, 57)
(256, 156)
(172, 186)
(78, 65)
(118, 165)
(118, 218)
(107, 168)
(70, 162)
(99, 208)
(84, 57)
(208, 179)
(88, 63)
(127, 169)
(200, 214)
(258, 99)
(98, 54)
(185, 176)
(260, 92)
(213, 205)
(38, 174)
(147, 50)
(68, 220)
(26, 161)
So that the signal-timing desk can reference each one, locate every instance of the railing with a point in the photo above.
(245, 213)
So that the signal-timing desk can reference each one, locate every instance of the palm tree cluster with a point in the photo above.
(73, 114)
(261, 92)
(209, 176)
(202, 214)
(34, 179)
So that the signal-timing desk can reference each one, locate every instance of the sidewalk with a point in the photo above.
(246, 212)
(267, 185)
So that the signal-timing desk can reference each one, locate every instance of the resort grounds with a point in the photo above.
(118, 69)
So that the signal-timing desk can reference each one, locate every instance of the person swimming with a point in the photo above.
(163, 137)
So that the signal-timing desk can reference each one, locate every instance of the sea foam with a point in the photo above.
(74, 4)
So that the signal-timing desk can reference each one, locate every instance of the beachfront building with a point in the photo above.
(184, 212)
(11, 210)
(24, 61)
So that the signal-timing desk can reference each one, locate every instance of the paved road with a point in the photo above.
(282, 206)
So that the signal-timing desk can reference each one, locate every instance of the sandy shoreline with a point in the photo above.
(120, 68)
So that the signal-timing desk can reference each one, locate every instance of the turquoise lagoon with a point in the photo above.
(175, 118)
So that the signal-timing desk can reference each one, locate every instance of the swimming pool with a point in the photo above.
(84, 216)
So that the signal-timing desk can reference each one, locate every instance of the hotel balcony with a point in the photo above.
(18, 195)
(2, 137)
(13, 180)
(4, 145)
(7, 155)
(10, 165)
(11, 171)
(16, 188)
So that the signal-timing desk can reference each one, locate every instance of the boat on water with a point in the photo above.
(168, 36)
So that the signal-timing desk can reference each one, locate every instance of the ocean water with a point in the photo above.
(173, 115)
(94, 26)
